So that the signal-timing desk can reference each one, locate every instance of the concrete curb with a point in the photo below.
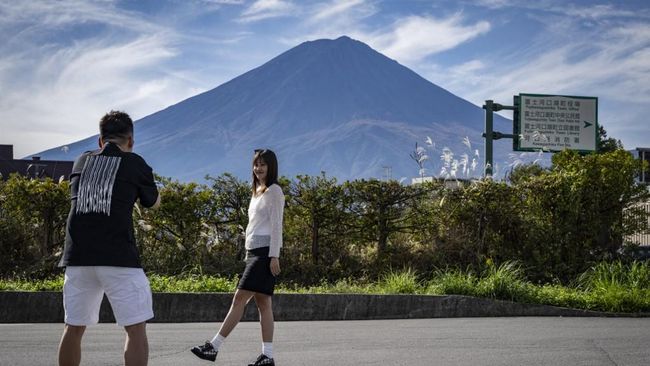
(47, 307)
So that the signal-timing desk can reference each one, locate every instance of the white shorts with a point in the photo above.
(127, 289)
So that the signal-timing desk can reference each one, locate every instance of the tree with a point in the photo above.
(173, 236)
(482, 221)
(231, 199)
(34, 211)
(607, 144)
(523, 172)
(381, 208)
(316, 200)
(577, 209)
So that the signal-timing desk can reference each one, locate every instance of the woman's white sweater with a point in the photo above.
(265, 214)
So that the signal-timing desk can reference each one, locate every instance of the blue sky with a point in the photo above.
(65, 63)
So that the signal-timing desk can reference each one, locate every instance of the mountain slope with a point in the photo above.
(328, 105)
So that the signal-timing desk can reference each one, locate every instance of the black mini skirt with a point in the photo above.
(257, 276)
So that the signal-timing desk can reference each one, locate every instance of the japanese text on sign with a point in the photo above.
(554, 123)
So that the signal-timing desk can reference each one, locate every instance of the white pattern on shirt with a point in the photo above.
(96, 184)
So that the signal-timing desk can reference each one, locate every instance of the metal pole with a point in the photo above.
(488, 137)
(642, 172)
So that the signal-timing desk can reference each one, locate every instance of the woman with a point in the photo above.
(263, 243)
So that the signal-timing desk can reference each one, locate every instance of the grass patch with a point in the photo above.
(191, 283)
(613, 287)
(402, 282)
(22, 284)
(183, 283)
(617, 287)
(453, 282)
(344, 286)
(506, 282)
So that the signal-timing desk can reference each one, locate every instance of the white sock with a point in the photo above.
(217, 341)
(267, 349)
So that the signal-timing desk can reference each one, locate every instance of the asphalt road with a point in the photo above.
(456, 341)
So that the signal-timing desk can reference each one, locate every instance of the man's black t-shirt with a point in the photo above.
(105, 185)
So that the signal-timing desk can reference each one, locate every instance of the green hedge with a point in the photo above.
(555, 222)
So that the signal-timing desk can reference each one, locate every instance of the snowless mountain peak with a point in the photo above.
(336, 106)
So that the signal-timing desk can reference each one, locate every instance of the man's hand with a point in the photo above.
(275, 266)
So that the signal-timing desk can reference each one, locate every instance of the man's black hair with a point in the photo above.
(115, 125)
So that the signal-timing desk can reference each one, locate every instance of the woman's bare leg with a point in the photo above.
(236, 311)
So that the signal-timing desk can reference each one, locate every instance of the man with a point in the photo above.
(100, 252)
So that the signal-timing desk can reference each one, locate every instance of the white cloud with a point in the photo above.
(54, 93)
(264, 9)
(618, 63)
(80, 83)
(495, 4)
(595, 12)
(615, 68)
(225, 2)
(564, 8)
(43, 15)
(331, 20)
(416, 37)
(55, 88)
(335, 8)
(468, 67)
(470, 72)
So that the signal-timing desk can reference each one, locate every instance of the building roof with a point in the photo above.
(34, 168)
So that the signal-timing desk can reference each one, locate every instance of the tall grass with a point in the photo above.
(617, 286)
(614, 287)
(400, 282)
(453, 282)
(505, 281)
(604, 276)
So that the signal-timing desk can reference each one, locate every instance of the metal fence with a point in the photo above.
(642, 238)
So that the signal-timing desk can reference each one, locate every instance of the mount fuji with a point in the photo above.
(336, 106)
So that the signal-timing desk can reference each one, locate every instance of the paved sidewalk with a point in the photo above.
(448, 341)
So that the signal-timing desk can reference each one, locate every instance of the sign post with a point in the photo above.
(544, 122)
(491, 135)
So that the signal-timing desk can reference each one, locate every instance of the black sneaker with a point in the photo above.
(206, 352)
(263, 360)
